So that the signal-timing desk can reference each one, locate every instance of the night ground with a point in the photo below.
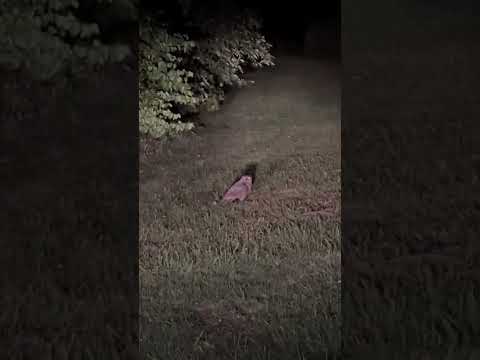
(259, 279)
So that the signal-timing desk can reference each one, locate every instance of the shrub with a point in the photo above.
(180, 77)
(164, 86)
(46, 38)
(229, 47)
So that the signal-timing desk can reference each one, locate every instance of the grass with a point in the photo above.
(69, 224)
(261, 279)
(407, 247)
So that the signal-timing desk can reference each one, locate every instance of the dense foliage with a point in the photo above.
(183, 69)
(51, 37)
(163, 82)
(182, 75)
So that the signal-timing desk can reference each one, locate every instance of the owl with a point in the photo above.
(240, 190)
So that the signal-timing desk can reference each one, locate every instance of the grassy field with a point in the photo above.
(408, 251)
(261, 279)
(69, 217)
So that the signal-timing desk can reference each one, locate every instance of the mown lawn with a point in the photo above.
(261, 279)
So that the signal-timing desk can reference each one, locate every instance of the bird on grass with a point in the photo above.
(243, 187)
(240, 190)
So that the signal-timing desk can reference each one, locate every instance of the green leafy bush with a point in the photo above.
(179, 77)
(228, 48)
(164, 86)
(48, 37)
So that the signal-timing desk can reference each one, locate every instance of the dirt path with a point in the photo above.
(267, 270)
